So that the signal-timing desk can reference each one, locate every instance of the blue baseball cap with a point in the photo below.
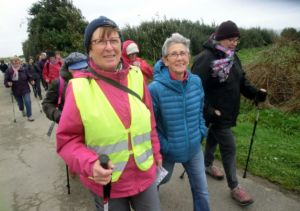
(76, 61)
(78, 65)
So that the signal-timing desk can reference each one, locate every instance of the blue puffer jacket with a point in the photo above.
(178, 108)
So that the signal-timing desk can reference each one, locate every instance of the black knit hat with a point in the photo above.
(227, 29)
(92, 26)
(50, 54)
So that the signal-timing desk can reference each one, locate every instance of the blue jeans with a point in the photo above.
(197, 178)
(24, 99)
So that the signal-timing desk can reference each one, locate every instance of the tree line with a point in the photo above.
(57, 25)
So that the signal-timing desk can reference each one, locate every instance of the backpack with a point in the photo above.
(61, 85)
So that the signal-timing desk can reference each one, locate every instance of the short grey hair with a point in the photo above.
(175, 38)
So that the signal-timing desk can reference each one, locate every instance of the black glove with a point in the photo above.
(260, 96)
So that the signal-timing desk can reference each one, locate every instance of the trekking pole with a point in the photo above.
(36, 100)
(50, 129)
(182, 174)
(106, 188)
(13, 105)
(252, 138)
(68, 180)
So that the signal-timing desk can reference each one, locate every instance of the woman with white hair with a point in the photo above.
(178, 100)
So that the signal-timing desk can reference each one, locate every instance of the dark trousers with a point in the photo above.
(37, 87)
(44, 83)
(227, 145)
(144, 201)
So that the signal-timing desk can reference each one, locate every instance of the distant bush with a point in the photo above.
(290, 34)
(256, 37)
(277, 68)
(150, 35)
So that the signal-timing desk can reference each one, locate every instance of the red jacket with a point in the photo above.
(142, 64)
(51, 71)
(71, 143)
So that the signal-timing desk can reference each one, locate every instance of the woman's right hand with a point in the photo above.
(217, 112)
(9, 83)
(101, 175)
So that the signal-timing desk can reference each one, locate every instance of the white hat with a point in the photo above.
(132, 48)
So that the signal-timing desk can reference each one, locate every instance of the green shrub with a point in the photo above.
(256, 37)
(290, 34)
(276, 68)
(150, 35)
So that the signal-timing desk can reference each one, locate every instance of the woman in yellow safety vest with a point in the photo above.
(100, 116)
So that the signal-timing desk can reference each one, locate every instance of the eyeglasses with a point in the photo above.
(132, 55)
(235, 40)
(103, 43)
(174, 55)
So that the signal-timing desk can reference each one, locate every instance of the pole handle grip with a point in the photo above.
(104, 159)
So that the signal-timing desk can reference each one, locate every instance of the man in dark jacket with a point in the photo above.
(53, 102)
(40, 65)
(224, 80)
(3, 66)
(54, 99)
(34, 70)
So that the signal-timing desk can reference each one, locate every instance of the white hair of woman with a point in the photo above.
(175, 38)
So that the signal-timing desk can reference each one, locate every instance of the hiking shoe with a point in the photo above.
(30, 119)
(240, 195)
(214, 172)
(23, 112)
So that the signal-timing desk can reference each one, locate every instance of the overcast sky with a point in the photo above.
(271, 14)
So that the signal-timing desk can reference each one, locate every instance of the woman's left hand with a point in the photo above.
(159, 163)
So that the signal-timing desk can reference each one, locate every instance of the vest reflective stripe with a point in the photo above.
(143, 157)
(105, 132)
(137, 148)
(122, 145)
(119, 167)
(141, 138)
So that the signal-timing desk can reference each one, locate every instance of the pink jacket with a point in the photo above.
(71, 144)
(142, 64)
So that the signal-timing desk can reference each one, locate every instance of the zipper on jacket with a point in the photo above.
(184, 110)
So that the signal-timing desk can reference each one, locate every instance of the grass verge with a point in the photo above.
(276, 148)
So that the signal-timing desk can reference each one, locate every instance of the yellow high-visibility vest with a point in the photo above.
(104, 131)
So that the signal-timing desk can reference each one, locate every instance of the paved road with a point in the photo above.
(32, 176)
